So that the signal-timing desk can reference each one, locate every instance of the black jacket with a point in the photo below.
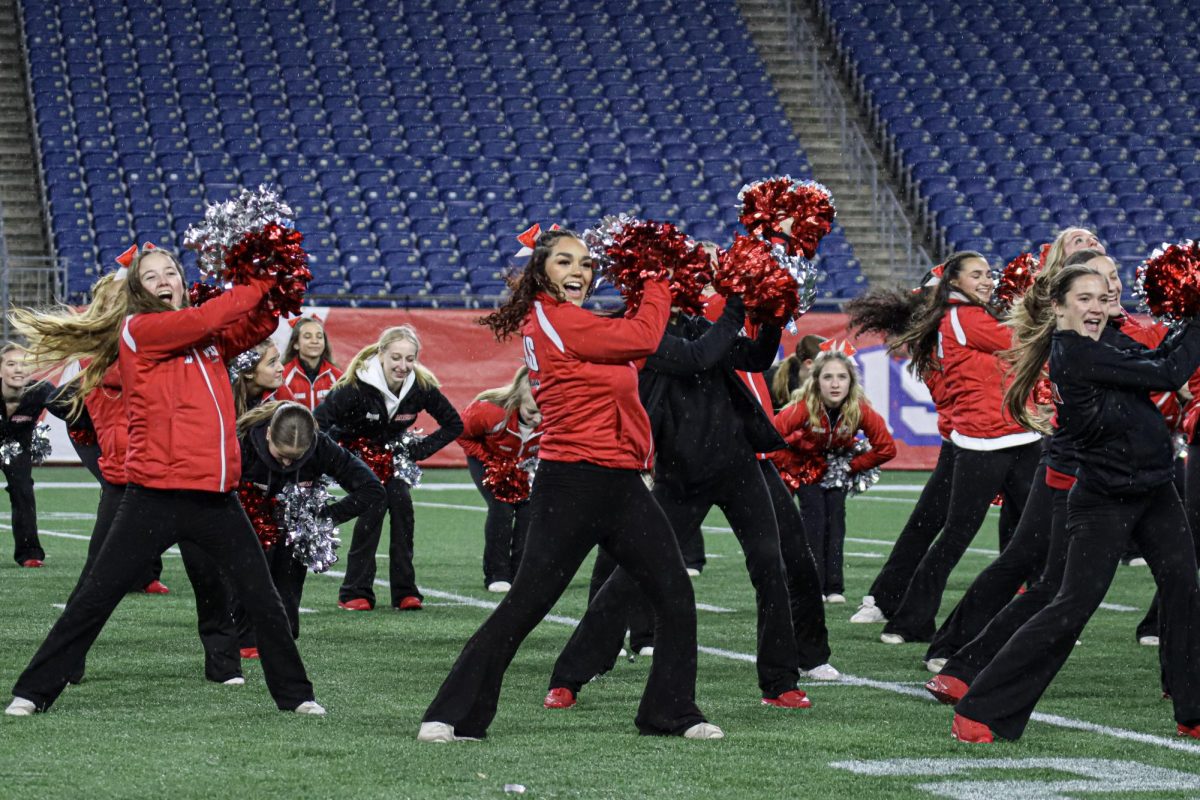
(324, 457)
(1121, 439)
(19, 427)
(701, 413)
(358, 409)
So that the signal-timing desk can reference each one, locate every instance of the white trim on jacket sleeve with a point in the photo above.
(127, 336)
(959, 333)
(547, 328)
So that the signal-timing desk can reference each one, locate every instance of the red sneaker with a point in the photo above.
(947, 689)
(357, 604)
(968, 730)
(1187, 730)
(33, 563)
(794, 698)
(409, 604)
(156, 587)
(559, 697)
(249, 652)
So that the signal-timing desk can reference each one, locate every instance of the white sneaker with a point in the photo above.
(440, 732)
(623, 654)
(499, 587)
(236, 680)
(20, 707)
(1137, 562)
(891, 638)
(704, 730)
(1148, 641)
(935, 665)
(825, 672)
(311, 708)
(835, 599)
(646, 651)
(693, 572)
(868, 612)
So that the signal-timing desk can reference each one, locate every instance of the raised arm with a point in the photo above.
(679, 356)
(168, 333)
(615, 341)
(757, 354)
(1163, 369)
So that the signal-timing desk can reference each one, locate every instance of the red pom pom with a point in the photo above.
(1043, 392)
(998, 500)
(635, 251)
(1169, 281)
(1043, 253)
(508, 482)
(201, 293)
(84, 437)
(376, 456)
(806, 473)
(769, 203)
(274, 252)
(261, 511)
(1015, 280)
(772, 293)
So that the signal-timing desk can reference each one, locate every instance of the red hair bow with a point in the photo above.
(126, 258)
(529, 237)
(294, 321)
(838, 346)
(938, 270)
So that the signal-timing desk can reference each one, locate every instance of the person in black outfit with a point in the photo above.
(707, 428)
(373, 405)
(23, 403)
(1123, 487)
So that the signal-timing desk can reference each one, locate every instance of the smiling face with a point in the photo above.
(1112, 279)
(974, 279)
(14, 373)
(569, 269)
(268, 375)
(310, 342)
(833, 383)
(1084, 308)
(160, 277)
(398, 359)
(1077, 239)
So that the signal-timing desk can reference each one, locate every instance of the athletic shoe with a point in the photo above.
(438, 732)
(946, 689)
(968, 730)
(891, 638)
(499, 587)
(1137, 562)
(410, 603)
(935, 665)
(20, 707)
(794, 698)
(693, 572)
(825, 672)
(868, 612)
(236, 680)
(155, 587)
(357, 604)
(646, 651)
(559, 697)
(248, 652)
(835, 599)
(704, 730)
(1187, 730)
(622, 654)
(1148, 641)
(310, 707)
(33, 563)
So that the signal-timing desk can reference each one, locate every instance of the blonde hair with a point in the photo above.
(292, 351)
(807, 348)
(425, 379)
(508, 397)
(292, 425)
(242, 383)
(810, 393)
(1056, 256)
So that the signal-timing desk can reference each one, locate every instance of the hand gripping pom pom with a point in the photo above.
(376, 456)
(201, 293)
(225, 224)
(261, 511)
(767, 203)
(631, 251)
(506, 478)
(1168, 283)
(839, 476)
(530, 465)
(776, 287)
(404, 466)
(1014, 281)
(308, 529)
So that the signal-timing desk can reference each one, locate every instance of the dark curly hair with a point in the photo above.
(888, 312)
(524, 285)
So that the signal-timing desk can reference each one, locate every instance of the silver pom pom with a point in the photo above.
(9, 451)
(39, 449)
(225, 224)
(805, 272)
(308, 531)
(838, 475)
(530, 465)
(600, 238)
(403, 465)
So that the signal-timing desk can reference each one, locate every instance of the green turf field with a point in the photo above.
(146, 724)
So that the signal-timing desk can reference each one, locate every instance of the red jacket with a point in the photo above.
(969, 339)
(943, 401)
(177, 393)
(582, 372)
(488, 433)
(298, 388)
(1168, 402)
(755, 382)
(809, 445)
(106, 405)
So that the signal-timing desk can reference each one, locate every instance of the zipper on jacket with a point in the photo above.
(220, 416)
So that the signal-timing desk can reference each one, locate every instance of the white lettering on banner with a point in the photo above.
(875, 366)
(920, 417)
(1089, 776)
(900, 398)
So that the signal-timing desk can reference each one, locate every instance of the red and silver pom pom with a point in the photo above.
(375, 455)
(768, 203)
(507, 480)
(838, 474)
(261, 511)
(310, 532)
(82, 437)
(39, 447)
(275, 251)
(775, 286)
(1014, 281)
(404, 466)
(227, 223)
(1168, 282)
(804, 473)
(201, 293)
(632, 251)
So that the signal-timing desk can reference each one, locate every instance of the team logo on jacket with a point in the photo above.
(371, 416)
(404, 418)
(21, 418)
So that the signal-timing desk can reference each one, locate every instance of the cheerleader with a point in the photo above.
(1124, 486)
(281, 447)
(256, 375)
(995, 454)
(825, 416)
(309, 371)
(589, 491)
(790, 374)
(181, 464)
(502, 424)
(376, 402)
(24, 403)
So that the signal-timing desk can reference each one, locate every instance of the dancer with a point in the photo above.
(24, 403)
(1123, 487)
(256, 374)
(502, 424)
(182, 462)
(309, 371)
(378, 400)
(589, 490)
(790, 374)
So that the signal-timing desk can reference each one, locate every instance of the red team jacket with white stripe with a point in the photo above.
(299, 389)
(488, 433)
(585, 381)
(177, 393)
(106, 406)
(808, 442)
